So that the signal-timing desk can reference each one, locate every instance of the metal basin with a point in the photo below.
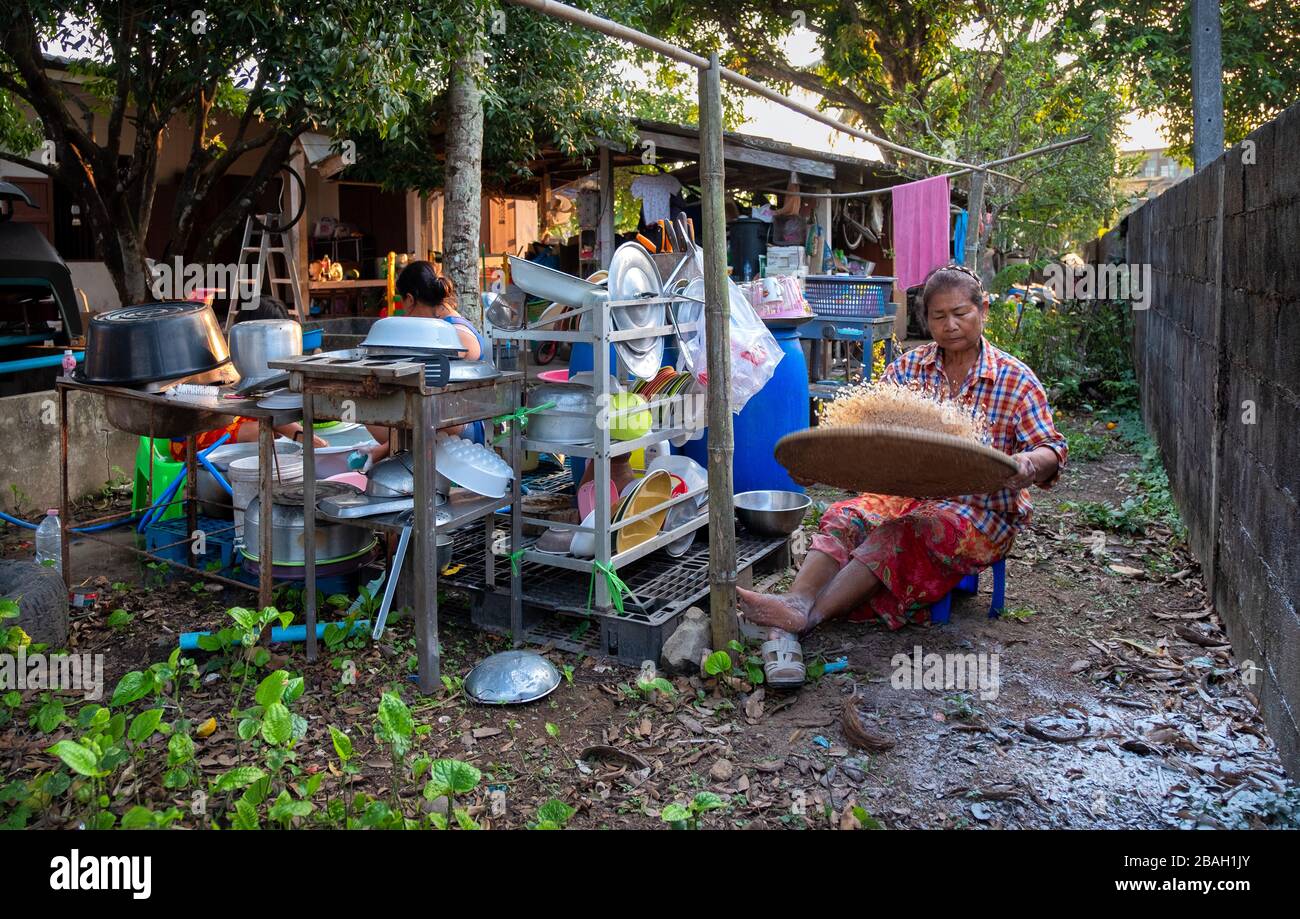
(153, 342)
(512, 677)
(571, 421)
(151, 420)
(772, 513)
(548, 283)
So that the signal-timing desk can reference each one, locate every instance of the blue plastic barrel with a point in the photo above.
(777, 409)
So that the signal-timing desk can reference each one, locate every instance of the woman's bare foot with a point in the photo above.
(789, 612)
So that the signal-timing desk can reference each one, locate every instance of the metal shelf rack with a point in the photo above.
(600, 334)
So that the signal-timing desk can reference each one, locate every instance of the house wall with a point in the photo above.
(1217, 356)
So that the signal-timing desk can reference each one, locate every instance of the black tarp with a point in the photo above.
(30, 268)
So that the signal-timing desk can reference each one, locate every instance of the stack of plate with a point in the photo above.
(667, 382)
(633, 275)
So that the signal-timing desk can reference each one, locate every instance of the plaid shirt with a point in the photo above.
(1019, 420)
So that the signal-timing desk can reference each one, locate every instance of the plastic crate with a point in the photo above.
(168, 539)
(849, 297)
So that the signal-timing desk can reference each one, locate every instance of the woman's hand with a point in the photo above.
(1026, 471)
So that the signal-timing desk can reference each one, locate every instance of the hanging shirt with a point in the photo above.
(654, 192)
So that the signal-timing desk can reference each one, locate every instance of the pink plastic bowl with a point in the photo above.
(554, 376)
(587, 497)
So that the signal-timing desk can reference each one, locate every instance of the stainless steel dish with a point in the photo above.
(548, 283)
(254, 343)
(412, 335)
(212, 496)
(392, 477)
(511, 678)
(772, 513)
(334, 541)
(473, 370)
(633, 275)
(152, 342)
(571, 421)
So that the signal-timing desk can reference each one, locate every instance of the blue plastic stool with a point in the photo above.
(970, 584)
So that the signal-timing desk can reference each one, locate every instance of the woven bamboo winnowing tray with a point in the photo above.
(884, 460)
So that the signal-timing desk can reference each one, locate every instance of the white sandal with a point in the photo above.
(783, 666)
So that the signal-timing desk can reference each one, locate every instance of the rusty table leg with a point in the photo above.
(309, 522)
(65, 512)
(191, 495)
(424, 541)
(266, 460)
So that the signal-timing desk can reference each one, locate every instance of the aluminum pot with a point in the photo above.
(254, 343)
(213, 500)
(571, 421)
(334, 541)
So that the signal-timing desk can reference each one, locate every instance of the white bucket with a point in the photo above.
(246, 481)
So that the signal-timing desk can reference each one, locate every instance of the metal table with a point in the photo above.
(152, 407)
(864, 330)
(394, 393)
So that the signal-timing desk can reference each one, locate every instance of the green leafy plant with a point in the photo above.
(449, 778)
(717, 664)
(119, 619)
(553, 815)
(687, 816)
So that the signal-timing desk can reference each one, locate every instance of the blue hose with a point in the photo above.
(157, 509)
(95, 529)
(291, 633)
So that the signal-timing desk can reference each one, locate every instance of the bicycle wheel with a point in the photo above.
(283, 204)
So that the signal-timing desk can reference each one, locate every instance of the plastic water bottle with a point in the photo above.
(69, 362)
(49, 541)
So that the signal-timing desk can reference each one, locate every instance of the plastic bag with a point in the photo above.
(754, 351)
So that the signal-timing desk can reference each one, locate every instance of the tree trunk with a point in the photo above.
(463, 189)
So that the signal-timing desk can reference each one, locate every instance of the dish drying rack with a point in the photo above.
(600, 334)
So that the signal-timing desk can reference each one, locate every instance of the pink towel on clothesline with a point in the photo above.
(921, 237)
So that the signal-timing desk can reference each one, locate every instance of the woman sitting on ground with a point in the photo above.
(889, 557)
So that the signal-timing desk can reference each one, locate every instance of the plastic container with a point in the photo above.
(49, 541)
(245, 480)
(777, 409)
(748, 238)
(849, 297)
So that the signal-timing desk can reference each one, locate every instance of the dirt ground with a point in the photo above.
(1118, 704)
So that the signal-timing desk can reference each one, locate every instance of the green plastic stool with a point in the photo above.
(165, 471)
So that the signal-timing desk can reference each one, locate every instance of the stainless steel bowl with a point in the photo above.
(512, 677)
(772, 513)
(411, 335)
(444, 550)
(254, 343)
(392, 477)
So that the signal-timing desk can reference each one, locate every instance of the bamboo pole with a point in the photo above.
(717, 324)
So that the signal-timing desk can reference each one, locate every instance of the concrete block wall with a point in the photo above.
(29, 449)
(1217, 358)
